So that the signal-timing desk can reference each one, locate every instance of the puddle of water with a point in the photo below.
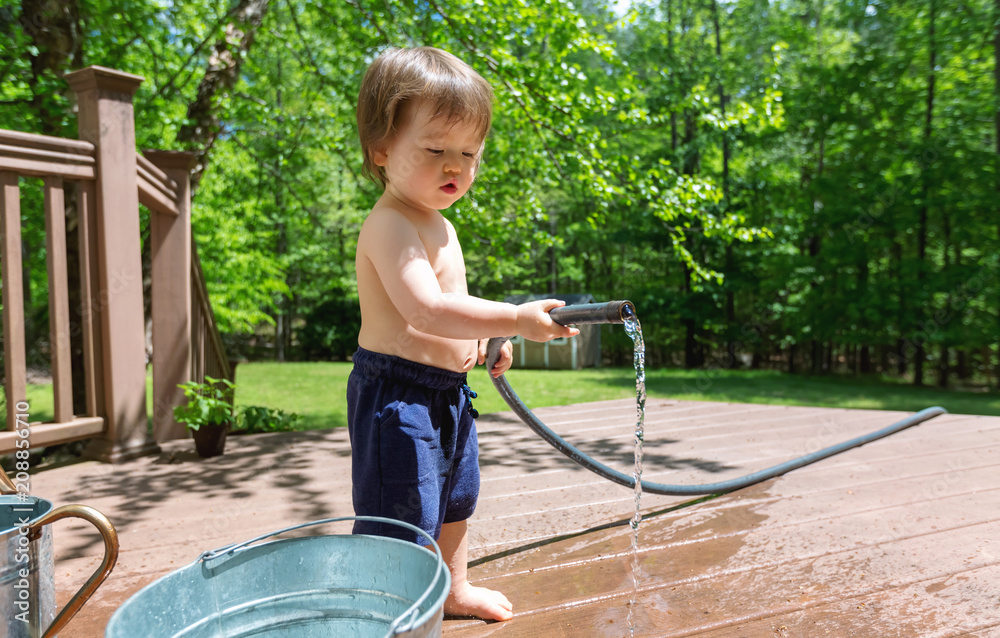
(634, 330)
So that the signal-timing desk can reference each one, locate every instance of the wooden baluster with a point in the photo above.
(55, 235)
(197, 341)
(90, 323)
(15, 359)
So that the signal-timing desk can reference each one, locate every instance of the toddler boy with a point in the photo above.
(423, 116)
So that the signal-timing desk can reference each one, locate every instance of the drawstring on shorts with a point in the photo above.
(471, 394)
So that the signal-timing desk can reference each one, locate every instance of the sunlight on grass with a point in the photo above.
(314, 390)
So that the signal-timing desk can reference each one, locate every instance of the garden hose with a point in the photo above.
(618, 312)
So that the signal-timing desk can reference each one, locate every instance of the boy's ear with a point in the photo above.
(379, 155)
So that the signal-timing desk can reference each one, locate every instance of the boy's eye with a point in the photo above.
(435, 151)
(469, 155)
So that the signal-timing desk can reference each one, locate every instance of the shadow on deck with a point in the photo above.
(898, 538)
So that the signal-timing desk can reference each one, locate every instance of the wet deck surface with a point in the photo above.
(898, 538)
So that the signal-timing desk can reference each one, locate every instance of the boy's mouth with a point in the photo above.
(450, 188)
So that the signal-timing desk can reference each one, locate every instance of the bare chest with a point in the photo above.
(445, 256)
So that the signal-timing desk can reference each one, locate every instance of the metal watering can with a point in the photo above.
(27, 575)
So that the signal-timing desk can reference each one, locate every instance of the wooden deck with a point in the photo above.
(898, 538)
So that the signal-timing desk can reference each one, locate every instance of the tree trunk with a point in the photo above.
(281, 309)
(862, 361)
(722, 101)
(203, 125)
(55, 31)
(996, 140)
(691, 162)
(671, 77)
(944, 363)
(554, 259)
(692, 159)
(865, 364)
(902, 320)
(985, 358)
(813, 240)
(918, 363)
(690, 328)
(283, 321)
(943, 366)
(728, 268)
(962, 369)
(290, 318)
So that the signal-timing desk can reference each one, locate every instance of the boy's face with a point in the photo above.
(430, 163)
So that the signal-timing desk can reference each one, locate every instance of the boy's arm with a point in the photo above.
(398, 256)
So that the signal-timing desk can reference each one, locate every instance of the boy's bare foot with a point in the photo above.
(479, 602)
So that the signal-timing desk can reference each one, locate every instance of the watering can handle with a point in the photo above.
(6, 485)
(110, 536)
(401, 624)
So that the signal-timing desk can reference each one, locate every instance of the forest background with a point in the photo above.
(797, 184)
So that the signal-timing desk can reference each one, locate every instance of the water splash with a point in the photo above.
(634, 330)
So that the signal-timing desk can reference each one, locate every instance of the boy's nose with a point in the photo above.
(452, 168)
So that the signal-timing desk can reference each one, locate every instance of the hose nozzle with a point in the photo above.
(610, 312)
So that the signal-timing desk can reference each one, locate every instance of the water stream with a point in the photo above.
(634, 330)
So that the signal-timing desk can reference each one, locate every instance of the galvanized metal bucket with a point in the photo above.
(27, 575)
(307, 587)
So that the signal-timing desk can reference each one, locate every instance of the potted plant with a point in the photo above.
(208, 413)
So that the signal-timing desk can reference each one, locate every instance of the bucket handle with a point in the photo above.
(110, 536)
(408, 618)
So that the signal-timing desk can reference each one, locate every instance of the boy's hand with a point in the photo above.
(535, 324)
(503, 363)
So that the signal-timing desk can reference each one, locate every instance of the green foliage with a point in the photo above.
(255, 419)
(208, 403)
(331, 328)
(243, 274)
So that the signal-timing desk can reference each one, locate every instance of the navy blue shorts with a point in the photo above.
(414, 449)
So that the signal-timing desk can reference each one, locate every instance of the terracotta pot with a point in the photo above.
(210, 440)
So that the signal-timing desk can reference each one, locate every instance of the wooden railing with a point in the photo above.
(110, 181)
(54, 160)
(208, 352)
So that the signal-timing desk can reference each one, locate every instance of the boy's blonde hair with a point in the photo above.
(405, 76)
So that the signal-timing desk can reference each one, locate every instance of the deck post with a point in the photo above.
(106, 118)
(170, 240)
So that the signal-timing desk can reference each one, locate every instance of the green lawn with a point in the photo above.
(316, 390)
